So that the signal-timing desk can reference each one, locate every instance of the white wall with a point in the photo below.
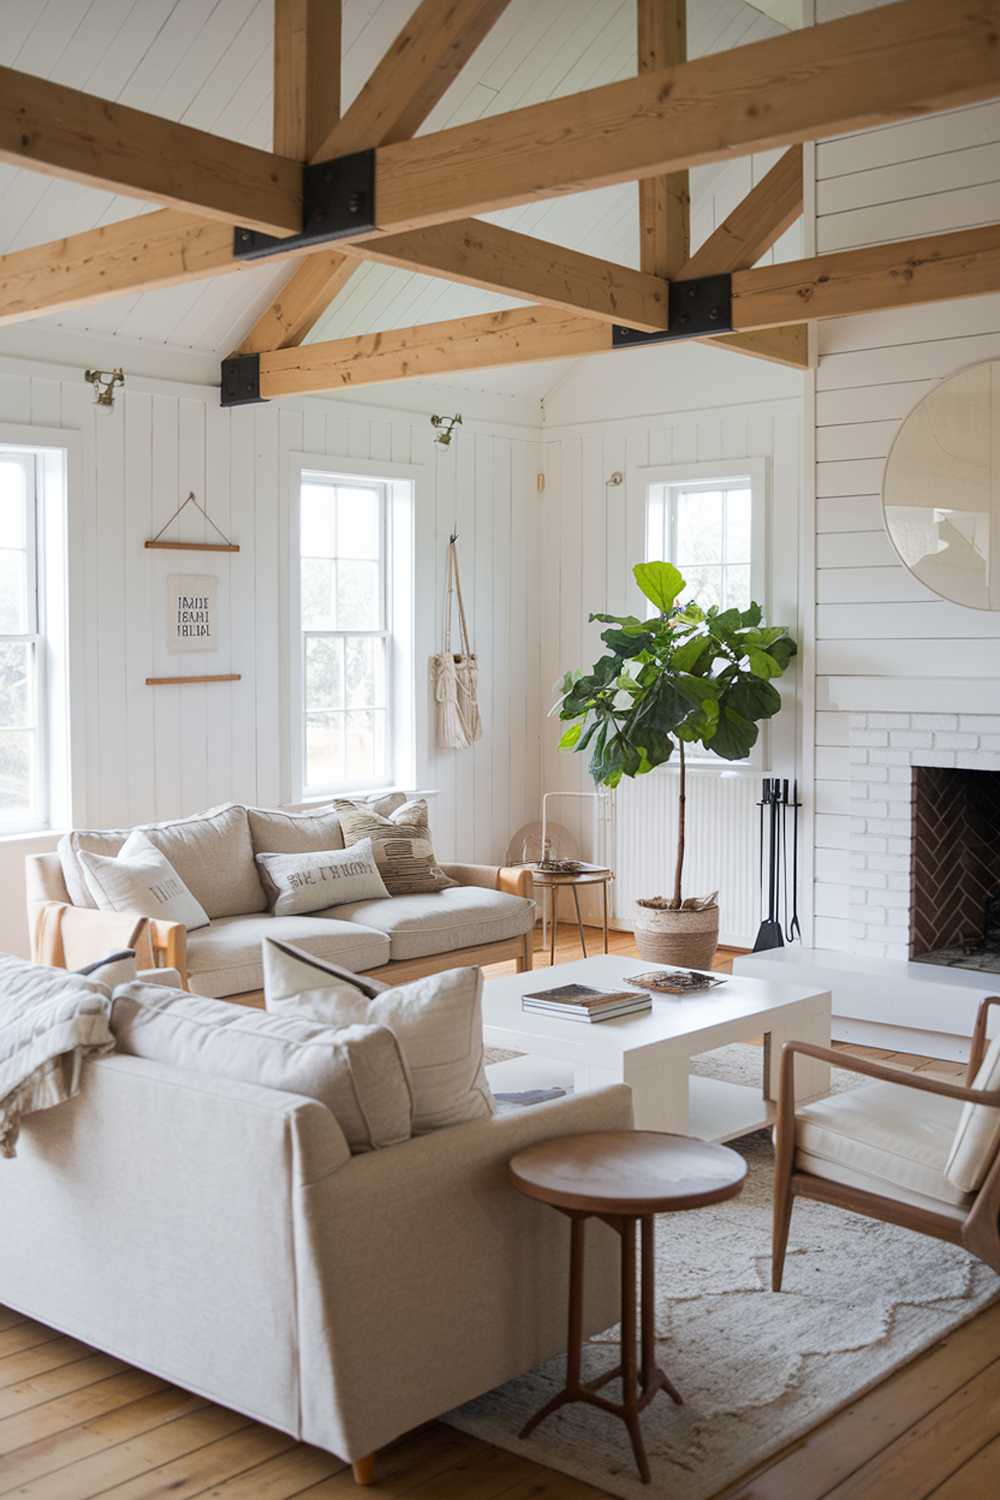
(884, 643)
(625, 411)
(143, 753)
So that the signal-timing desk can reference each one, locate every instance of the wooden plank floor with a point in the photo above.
(75, 1424)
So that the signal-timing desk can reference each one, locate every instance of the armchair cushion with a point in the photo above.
(895, 1138)
(977, 1138)
(461, 917)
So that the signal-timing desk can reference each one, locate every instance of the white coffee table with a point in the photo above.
(651, 1051)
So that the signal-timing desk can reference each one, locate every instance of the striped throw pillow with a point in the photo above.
(402, 844)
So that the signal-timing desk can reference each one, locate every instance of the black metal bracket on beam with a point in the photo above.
(241, 380)
(338, 199)
(694, 308)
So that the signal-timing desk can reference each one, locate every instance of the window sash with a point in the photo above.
(383, 633)
(35, 813)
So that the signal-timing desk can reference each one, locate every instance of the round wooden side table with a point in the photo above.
(624, 1178)
(553, 883)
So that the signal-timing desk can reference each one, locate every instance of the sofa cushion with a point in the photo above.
(438, 1022)
(977, 1136)
(461, 917)
(312, 880)
(212, 853)
(402, 842)
(275, 832)
(357, 1071)
(224, 959)
(141, 879)
(890, 1134)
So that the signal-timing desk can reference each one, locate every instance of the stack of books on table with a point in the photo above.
(578, 1002)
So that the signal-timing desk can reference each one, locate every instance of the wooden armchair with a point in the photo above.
(932, 1165)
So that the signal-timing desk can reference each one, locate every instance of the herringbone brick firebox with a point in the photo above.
(955, 859)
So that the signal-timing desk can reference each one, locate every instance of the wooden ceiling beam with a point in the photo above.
(306, 75)
(909, 58)
(939, 267)
(425, 58)
(664, 202)
(63, 132)
(787, 345)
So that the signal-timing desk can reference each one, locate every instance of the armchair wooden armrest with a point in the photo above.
(170, 947)
(978, 1050)
(516, 880)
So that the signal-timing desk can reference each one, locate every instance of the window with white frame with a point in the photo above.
(706, 528)
(23, 747)
(346, 643)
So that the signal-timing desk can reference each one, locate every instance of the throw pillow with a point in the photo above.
(403, 848)
(115, 969)
(143, 880)
(357, 1072)
(305, 882)
(437, 1021)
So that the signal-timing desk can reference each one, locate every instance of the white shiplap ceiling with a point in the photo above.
(209, 62)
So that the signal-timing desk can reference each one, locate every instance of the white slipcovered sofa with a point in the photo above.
(486, 918)
(219, 1235)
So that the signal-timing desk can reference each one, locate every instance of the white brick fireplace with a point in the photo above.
(884, 749)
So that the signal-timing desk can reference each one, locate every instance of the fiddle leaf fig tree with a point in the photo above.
(684, 677)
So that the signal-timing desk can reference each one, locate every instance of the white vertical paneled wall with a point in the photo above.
(885, 645)
(143, 753)
(592, 534)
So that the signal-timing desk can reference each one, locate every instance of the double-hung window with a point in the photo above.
(706, 527)
(345, 633)
(23, 751)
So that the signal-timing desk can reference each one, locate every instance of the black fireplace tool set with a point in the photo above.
(781, 899)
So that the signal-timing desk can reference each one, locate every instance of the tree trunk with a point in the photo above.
(681, 799)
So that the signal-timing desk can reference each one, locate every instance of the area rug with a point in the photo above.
(756, 1369)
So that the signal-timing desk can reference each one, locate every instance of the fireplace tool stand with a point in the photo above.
(781, 900)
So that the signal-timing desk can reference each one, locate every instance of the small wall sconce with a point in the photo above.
(104, 382)
(446, 426)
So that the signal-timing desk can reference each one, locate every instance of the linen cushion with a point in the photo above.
(114, 969)
(275, 830)
(438, 1022)
(224, 959)
(977, 1137)
(891, 1135)
(357, 1071)
(461, 917)
(314, 880)
(402, 843)
(211, 852)
(141, 879)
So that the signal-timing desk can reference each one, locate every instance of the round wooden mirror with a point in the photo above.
(941, 492)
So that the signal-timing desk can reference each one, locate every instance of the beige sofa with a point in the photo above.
(219, 1235)
(488, 917)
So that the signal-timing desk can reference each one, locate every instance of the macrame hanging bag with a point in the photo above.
(455, 672)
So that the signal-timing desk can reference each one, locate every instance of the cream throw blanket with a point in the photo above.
(50, 1021)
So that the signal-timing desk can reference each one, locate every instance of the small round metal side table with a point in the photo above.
(553, 884)
(626, 1178)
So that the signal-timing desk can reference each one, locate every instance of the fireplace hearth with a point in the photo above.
(955, 891)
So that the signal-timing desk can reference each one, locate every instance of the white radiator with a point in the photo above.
(721, 844)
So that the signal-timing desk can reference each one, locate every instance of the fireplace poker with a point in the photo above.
(795, 931)
(769, 933)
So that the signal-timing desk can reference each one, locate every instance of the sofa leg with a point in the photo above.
(364, 1469)
(526, 961)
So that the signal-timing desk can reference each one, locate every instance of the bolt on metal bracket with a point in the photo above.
(241, 380)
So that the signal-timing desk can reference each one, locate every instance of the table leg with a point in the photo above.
(630, 1395)
(579, 921)
(808, 1021)
(573, 1391)
(604, 894)
(553, 921)
(653, 1378)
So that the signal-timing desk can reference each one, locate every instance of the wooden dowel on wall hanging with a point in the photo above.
(174, 681)
(193, 546)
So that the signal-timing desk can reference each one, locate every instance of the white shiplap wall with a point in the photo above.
(884, 643)
(593, 533)
(147, 753)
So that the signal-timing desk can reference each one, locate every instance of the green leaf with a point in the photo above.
(762, 664)
(753, 615)
(752, 698)
(626, 642)
(661, 582)
(569, 739)
(783, 649)
(687, 656)
(734, 735)
(729, 620)
(662, 709)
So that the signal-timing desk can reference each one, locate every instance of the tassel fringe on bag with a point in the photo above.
(456, 673)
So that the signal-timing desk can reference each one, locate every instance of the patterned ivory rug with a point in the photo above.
(756, 1370)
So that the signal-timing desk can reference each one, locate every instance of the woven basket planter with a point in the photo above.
(686, 938)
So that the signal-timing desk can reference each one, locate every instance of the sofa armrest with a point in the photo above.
(516, 880)
(170, 947)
